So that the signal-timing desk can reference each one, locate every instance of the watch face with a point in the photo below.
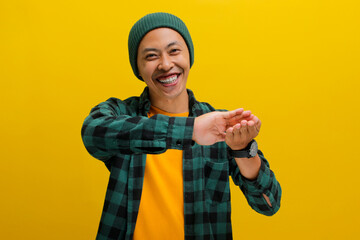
(253, 149)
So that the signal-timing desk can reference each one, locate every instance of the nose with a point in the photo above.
(165, 63)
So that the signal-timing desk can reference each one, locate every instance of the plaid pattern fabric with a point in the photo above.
(120, 134)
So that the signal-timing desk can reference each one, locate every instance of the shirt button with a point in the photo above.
(178, 142)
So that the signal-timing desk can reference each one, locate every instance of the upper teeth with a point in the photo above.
(169, 80)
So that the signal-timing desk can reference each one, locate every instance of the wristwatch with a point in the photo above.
(248, 152)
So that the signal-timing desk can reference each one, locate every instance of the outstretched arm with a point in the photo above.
(238, 137)
(111, 129)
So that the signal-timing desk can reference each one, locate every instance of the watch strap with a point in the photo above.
(243, 153)
(238, 153)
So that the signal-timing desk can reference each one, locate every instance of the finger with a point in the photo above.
(244, 129)
(253, 131)
(230, 130)
(258, 125)
(233, 113)
(251, 117)
(257, 122)
(234, 119)
(238, 118)
(251, 123)
(236, 128)
(246, 114)
(255, 119)
(237, 133)
(229, 134)
(248, 117)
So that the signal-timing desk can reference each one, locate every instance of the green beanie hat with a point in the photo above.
(151, 22)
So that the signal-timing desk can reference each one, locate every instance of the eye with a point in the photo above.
(174, 51)
(150, 56)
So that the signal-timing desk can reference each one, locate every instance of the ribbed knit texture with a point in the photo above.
(153, 21)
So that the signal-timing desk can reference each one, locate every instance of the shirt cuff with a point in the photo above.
(261, 183)
(180, 132)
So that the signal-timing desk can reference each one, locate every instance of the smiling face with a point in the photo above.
(163, 61)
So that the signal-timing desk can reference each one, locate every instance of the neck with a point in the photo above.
(180, 104)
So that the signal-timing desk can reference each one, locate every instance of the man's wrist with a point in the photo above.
(249, 151)
(238, 148)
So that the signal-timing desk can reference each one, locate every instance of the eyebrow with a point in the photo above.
(157, 50)
(172, 43)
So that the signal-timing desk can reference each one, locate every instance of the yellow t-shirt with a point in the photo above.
(161, 211)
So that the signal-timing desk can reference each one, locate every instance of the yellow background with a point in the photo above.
(295, 64)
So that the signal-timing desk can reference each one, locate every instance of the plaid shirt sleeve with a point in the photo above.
(253, 189)
(112, 127)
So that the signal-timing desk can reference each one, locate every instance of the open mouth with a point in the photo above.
(168, 79)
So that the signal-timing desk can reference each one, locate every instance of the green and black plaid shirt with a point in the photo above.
(120, 134)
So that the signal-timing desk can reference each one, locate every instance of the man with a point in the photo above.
(170, 156)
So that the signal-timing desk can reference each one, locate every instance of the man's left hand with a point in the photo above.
(239, 136)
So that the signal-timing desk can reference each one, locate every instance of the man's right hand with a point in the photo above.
(211, 127)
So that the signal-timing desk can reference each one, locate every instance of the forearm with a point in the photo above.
(108, 131)
(263, 192)
(249, 167)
